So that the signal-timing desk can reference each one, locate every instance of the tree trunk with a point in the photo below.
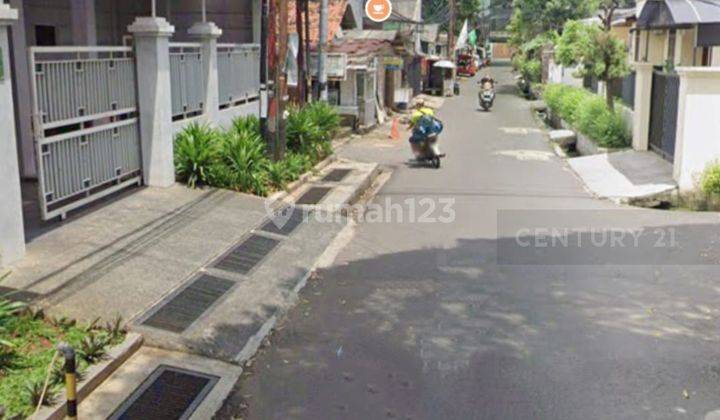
(609, 99)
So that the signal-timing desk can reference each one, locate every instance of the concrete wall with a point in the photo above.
(697, 144)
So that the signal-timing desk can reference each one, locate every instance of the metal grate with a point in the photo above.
(244, 257)
(285, 221)
(178, 313)
(336, 175)
(168, 393)
(313, 195)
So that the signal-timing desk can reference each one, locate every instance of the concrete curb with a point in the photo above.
(95, 376)
(324, 260)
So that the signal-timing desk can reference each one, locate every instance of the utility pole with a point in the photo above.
(451, 31)
(301, 82)
(322, 55)
(308, 75)
(272, 112)
(282, 78)
(264, 56)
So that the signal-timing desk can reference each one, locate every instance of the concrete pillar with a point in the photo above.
(152, 55)
(208, 33)
(696, 145)
(23, 103)
(83, 22)
(643, 96)
(12, 233)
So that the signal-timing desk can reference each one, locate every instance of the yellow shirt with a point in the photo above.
(419, 113)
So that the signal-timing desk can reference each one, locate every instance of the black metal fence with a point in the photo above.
(663, 113)
(624, 89)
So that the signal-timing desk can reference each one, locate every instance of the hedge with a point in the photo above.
(589, 114)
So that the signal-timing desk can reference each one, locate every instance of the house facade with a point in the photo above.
(92, 93)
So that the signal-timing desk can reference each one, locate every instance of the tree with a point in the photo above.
(597, 52)
(534, 17)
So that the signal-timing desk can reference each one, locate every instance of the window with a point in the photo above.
(706, 56)
(637, 46)
(45, 36)
(334, 92)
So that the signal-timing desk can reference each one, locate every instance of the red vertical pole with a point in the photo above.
(301, 51)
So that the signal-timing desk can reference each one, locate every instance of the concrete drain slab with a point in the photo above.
(246, 256)
(285, 221)
(313, 196)
(197, 384)
(184, 308)
(170, 393)
(336, 175)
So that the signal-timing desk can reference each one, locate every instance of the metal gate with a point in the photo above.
(85, 124)
(663, 113)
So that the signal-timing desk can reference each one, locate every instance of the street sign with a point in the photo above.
(378, 10)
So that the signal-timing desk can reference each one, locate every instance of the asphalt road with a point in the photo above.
(476, 312)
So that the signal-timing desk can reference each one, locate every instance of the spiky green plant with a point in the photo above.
(325, 117)
(93, 348)
(243, 153)
(196, 150)
(302, 131)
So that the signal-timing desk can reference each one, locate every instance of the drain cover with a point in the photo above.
(168, 393)
(244, 257)
(313, 195)
(178, 313)
(285, 221)
(337, 175)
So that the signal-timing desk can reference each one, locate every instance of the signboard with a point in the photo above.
(336, 65)
(393, 63)
(378, 10)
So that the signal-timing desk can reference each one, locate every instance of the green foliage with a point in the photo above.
(237, 158)
(244, 156)
(534, 17)
(32, 340)
(588, 113)
(326, 118)
(603, 125)
(596, 52)
(710, 181)
(196, 150)
(93, 347)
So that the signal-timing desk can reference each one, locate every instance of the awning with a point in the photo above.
(658, 14)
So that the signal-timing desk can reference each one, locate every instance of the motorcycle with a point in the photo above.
(428, 151)
(486, 98)
(424, 141)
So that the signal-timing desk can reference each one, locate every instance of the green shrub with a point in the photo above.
(303, 133)
(243, 154)
(249, 125)
(325, 117)
(588, 113)
(532, 70)
(710, 182)
(571, 102)
(196, 150)
(597, 121)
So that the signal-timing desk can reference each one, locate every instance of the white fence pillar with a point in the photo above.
(12, 234)
(643, 95)
(22, 86)
(152, 54)
(208, 33)
(696, 142)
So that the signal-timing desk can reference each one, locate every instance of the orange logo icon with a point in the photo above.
(378, 10)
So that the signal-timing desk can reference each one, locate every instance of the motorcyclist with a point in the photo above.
(420, 111)
(424, 124)
(487, 82)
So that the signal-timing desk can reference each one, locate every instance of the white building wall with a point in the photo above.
(696, 144)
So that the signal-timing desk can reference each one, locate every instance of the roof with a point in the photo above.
(385, 35)
(362, 47)
(675, 13)
(336, 11)
(620, 17)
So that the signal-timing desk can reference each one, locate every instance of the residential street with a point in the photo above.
(455, 321)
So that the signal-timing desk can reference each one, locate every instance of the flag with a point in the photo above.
(472, 38)
(463, 37)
